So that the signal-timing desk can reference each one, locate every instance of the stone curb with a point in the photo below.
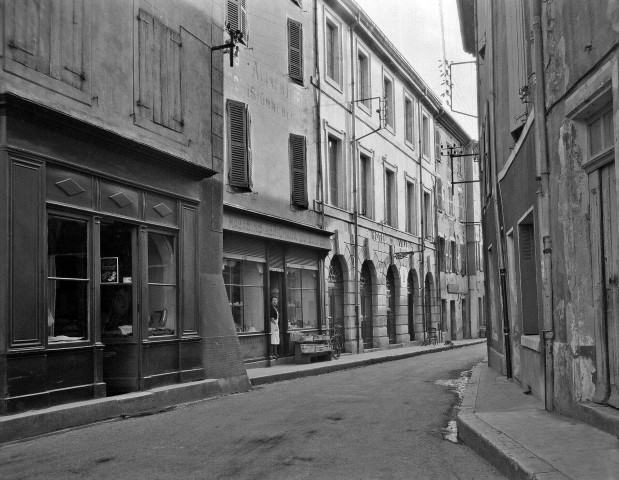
(334, 366)
(507, 455)
(39, 422)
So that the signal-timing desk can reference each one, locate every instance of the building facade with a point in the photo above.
(111, 225)
(547, 101)
(330, 184)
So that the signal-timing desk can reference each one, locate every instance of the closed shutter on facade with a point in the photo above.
(302, 258)
(239, 166)
(517, 46)
(246, 248)
(298, 167)
(295, 50)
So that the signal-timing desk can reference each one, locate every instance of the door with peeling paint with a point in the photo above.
(605, 246)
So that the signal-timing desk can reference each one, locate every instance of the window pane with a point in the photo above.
(162, 316)
(162, 294)
(67, 310)
(116, 310)
(67, 248)
(244, 282)
(595, 137)
(161, 259)
(294, 308)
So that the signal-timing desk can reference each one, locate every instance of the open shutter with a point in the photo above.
(298, 166)
(517, 47)
(175, 110)
(23, 31)
(168, 110)
(295, 50)
(439, 191)
(145, 45)
(72, 42)
(238, 168)
(237, 17)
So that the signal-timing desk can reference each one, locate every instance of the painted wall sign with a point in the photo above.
(265, 228)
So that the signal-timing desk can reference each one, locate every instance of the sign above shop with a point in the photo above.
(269, 229)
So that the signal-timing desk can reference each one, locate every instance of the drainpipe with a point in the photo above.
(499, 235)
(355, 189)
(439, 296)
(542, 173)
(320, 187)
(422, 279)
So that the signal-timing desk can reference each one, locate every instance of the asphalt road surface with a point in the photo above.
(383, 421)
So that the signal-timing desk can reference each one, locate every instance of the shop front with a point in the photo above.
(102, 284)
(263, 260)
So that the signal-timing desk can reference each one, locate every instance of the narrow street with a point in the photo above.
(385, 421)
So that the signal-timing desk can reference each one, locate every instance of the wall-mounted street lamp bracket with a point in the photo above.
(401, 255)
(236, 36)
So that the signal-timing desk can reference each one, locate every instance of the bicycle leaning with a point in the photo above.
(336, 342)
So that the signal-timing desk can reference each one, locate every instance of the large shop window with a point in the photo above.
(162, 292)
(68, 280)
(302, 305)
(244, 282)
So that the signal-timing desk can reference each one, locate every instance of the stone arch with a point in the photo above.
(336, 288)
(367, 306)
(429, 302)
(415, 327)
(392, 290)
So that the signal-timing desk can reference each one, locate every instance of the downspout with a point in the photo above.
(320, 186)
(542, 173)
(355, 189)
(422, 280)
(498, 225)
(439, 295)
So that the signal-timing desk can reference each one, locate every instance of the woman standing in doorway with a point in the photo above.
(274, 327)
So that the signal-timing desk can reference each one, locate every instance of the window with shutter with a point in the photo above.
(239, 153)
(49, 37)
(237, 17)
(159, 88)
(517, 52)
(408, 112)
(298, 169)
(295, 50)
(439, 190)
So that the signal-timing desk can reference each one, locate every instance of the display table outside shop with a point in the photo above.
(310, 347)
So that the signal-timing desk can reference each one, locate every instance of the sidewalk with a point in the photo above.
(514, 433)
(38, 422)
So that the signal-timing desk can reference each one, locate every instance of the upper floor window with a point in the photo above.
(295, 50)
(437, 145)
(365, 186)
(49, 42)
(409, 116)
(411, 208)
(333, 55)
(364, 79)
(425, 126)
(428, 217)
(388, 99)
(454, 256)
(239, 145)
(237, 17)
(334, 172)
(390, 199)
(159, 87)
(439, 191)
(298, 171)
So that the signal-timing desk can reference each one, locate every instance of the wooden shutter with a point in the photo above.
(146, 46)
(72, 42)
(295, 50)
(298, 167)
(517, 46)
(170, 74)
(238, 154)
(22, 40)
(439, 191)
(237, 17)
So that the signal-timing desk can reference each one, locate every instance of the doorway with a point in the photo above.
(453, 322)
(367, 329)
(276, 289)
(335, 293)
(391, 313)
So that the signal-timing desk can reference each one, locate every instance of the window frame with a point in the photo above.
(411, 210)
(364, 92)
(390, 172)
(425, 136)
(389, 101)
(408, 98)
(331, 23)
(369, 187)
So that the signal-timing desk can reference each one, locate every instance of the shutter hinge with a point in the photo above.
(140, 104)
(82, 75)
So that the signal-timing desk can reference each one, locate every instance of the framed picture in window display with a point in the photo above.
(117, 252)
(162, 284)
(244, 281)
(68, 280)
(302, 305)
